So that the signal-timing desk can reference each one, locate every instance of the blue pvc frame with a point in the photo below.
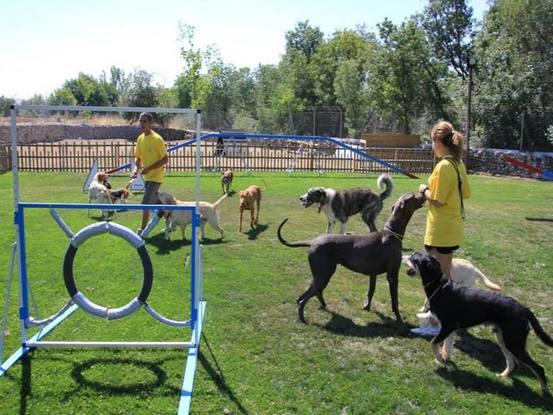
(198, 306)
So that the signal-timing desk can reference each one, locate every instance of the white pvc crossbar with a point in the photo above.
(144, 345)
(79, 108)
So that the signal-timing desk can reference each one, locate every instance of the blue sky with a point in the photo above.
(47, 42)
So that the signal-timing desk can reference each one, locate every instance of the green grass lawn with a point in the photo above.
(255, 356)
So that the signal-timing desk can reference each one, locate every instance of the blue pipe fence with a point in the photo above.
(338, 143)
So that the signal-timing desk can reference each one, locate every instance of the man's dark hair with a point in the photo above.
(147, 116)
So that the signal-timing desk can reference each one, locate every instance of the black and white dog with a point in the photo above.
(458, 307)
(339, 205)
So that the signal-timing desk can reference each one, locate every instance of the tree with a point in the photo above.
(166, 98)
(404, 82)
(515, 57)
(88, 90)
(140, 92)
(62, 96)
(304, 39)
(449, 27)
(346, 45)
(351, 94)
(191, 88)
(275, 99)
(5, 105)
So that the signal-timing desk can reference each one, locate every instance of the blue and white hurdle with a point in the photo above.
(76, 298)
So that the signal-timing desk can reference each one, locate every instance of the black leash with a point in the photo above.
(459, 183)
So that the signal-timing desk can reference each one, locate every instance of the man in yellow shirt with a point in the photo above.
(151, 157)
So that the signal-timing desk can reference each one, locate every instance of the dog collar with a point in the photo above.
(397, 235)
(436, 290)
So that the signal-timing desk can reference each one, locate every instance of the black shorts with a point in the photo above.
(442, 249)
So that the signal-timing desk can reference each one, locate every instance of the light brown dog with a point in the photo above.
(248, 199)
(226, 180)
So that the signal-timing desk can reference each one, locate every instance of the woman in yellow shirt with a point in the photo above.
(447, 187)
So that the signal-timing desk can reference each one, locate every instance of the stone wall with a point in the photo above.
(489, 161)
(33, 133)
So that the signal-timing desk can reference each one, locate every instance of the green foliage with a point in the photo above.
(62, 96)
(449, 26)
(5, 104)
(515, 57)
(351, 94)
(140, 92)
(346, 45)
(404, 80)
(304, 39)
(166, 98)
(88, 90)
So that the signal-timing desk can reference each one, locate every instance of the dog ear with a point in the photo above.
(428, 262)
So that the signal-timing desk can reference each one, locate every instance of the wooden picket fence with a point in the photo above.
(238, 155)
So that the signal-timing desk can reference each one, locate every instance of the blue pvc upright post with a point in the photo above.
(23, 280)
(193, 265)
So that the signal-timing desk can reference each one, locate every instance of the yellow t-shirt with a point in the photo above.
(445, 225)
(150, 149)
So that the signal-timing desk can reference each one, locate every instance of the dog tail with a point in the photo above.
(290, 244)
(386, 180)
(540, 332)
(486, 281)
(219, 201)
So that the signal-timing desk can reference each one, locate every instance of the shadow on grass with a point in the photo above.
(253, 233)
(80, 369)
(539, 219)
(488, 353)
(389, 327)
(25, 390)
(484, 350)
(519, 391)
(165, 246)
(216, 374)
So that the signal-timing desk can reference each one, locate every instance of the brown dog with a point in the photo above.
(226, 180)
(248, 199)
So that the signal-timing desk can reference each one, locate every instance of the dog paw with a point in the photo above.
(439, 360)
(366, 305)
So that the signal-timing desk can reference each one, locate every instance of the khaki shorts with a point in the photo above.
(151, 193)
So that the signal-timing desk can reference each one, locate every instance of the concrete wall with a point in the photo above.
(489, 161)
(32, 133)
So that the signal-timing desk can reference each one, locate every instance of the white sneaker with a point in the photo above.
(428, 330)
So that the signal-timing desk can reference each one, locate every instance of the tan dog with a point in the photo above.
(226, 180)
(182, 218)
(462, 272)
(248, 199)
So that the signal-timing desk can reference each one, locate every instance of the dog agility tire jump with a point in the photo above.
(79, 298)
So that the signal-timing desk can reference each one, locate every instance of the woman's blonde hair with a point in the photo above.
(449, 137)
